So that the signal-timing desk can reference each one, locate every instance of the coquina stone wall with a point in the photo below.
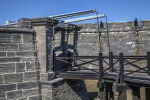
(124, 38)
(26, 63)
(19, 71)
(26, 55)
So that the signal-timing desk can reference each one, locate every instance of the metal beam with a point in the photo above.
(73, 14)
(84, 18)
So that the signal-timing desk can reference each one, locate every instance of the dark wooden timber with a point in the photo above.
(131, 78)
(123, 78)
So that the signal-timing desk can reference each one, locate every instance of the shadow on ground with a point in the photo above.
(92, 95)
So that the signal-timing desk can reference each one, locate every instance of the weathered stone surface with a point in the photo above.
(27, 59)
(31, 76)
(2, 54)
(145, 23)
(22, 98)
(27, 85)
(24, 54)
(30, 92)
(2, 96)
(9, 87)
(14, 59)
(14, 94)
(28, 38)
(20, 67)
(13, 78)
(26, 47)
(36, 98)
(5, 38)
(16, 38)
(8, 47)
(30, 66)
(47, 76)
(11, 54)
(1, 79)
(5, 35)
(7, 68)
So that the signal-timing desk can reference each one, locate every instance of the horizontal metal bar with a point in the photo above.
(73, 14)
(84, 18)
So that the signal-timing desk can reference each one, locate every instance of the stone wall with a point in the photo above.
(52, 88)
(124, 38)
(19, 72)
(26, 55)
(59, 89)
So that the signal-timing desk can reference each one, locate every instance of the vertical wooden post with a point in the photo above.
(111, 65)
(100, 66)
(109, 93)
(100, 80)
(54, 62)
(121, 65)
(148, 68)
(69, 62)
(148, 62)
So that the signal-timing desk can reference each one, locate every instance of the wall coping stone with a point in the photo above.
(37, 21)
(15, 29)
(56, 80)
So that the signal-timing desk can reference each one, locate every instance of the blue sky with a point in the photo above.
(116, 10)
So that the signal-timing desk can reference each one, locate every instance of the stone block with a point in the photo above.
(47, 98)
(27, 85)
(36, 98)
(5, 35)
(22, 99)
(26, 47)
(7, 68)
(2, 54)
(27, 59)
(20, 67)
(31, 76)
(2, 96)
(47, 76)
(5, 38)
(12, 59)
(28, 38)
(24, 54)
(11, 54)
(13, 78)
(9, 87)
(30, 92)
(30, 66)
(14, 94)
(16, 38)
(8, 47)
(1, 79)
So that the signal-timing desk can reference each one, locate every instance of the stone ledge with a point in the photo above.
(52, 81)
(15, 30)
(37, 21)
